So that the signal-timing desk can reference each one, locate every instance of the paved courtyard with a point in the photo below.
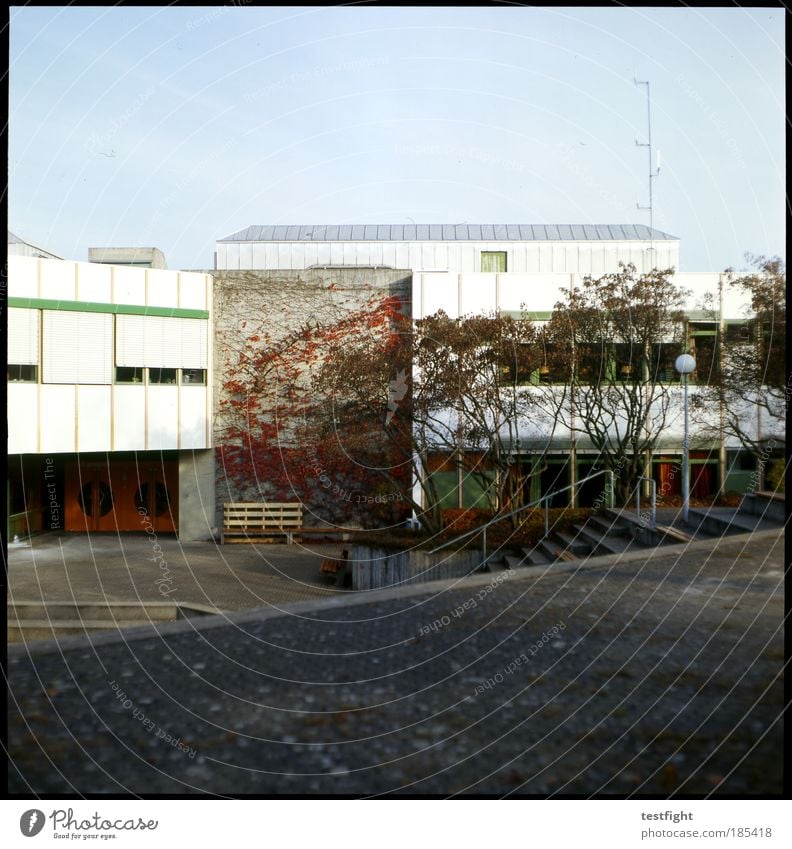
(656, 673)
(131, 567)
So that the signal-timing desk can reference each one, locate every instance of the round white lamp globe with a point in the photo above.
(685, 364)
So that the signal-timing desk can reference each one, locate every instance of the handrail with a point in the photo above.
(546, 498)
(653, 514)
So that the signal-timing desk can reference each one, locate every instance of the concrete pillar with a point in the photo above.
(196, 495)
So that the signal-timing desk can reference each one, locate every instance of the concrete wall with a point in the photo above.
(196, 495)
(276, 302)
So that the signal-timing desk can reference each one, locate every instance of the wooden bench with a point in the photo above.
(254, 521)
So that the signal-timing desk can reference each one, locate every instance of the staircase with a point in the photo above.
(616, 531)
(758, 511)
(600, 534)
(40, 620)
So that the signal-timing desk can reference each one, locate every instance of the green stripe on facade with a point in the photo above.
(118, 309)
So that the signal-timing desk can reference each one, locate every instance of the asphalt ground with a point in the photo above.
(656, 673)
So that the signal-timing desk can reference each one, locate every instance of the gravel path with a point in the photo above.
(657, 675)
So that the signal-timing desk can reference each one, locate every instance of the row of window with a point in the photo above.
(125, 374)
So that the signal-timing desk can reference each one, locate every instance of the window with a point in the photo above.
(128, 374)
(739, 333)
(705, 351)
(22, 373)
(193, 376)
(162, 375)
(520, 367)
(661, 367)
(493, 261)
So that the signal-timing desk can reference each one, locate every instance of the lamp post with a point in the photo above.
(685, 365)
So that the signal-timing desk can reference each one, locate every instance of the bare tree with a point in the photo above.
(437, 387)
(751, 382)
(617, 337)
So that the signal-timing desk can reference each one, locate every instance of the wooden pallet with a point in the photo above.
(258, 521)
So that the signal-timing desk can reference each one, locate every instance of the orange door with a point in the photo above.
(155, 498)
(90, 499)
(127, 496)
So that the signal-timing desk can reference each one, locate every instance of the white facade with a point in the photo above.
(465, 293)
(73, 324)
(547, 249)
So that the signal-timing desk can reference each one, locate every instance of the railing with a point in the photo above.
(653, 514)
(545, 498)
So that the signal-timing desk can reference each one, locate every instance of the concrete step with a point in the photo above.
(534, 557)
(608, 526)
(602, 544)
(768, 505)
(718, 521)
(515, 561)
(128, 611)
(555, 550)
(574, 543)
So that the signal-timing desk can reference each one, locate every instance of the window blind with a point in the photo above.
(77, 347)
(23, 337)
(160, 342)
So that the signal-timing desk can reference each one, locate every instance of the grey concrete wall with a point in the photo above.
(281, 301)
(197, 514)
(373, 568)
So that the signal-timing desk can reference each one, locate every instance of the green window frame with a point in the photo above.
(493, 261)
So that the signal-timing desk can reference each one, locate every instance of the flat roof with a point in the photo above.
(446, 233)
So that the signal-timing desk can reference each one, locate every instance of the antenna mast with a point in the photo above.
(652, 173)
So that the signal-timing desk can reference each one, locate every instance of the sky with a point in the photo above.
(173, 127)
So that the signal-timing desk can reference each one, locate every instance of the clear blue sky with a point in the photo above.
(176, 126)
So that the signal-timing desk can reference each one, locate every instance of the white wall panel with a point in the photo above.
(546, 257)
(23, 336)
(559, 257)
(23, 422)
(246, 255)
(163, 417)
(297, 255)
(284, 256)
(93, 282)
(323, 255)
(23, 277)
(476, 293)
(129, 285)
(77, 347)
(57, 279)
(193, 417)
(57, 419)
(192, 290)
(259, 255)
(129, 418)
(402, 255)
(311, 255)
(163, 287)
(440, 292)
(531, 257)
(517, 258)
(336, 253)
(93, 418)
(363, 253)
(597, 260)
